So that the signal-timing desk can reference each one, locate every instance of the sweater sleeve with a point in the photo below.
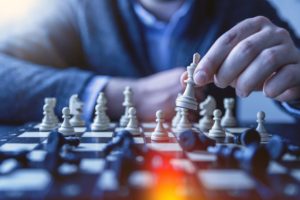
(40, 56)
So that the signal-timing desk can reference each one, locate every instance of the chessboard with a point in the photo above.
(173, 171)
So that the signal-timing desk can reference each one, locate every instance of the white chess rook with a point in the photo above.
(228, 120)
(47, 123)
(66, 128)
(217, 130)
(133, 124)
(188, 100)
(160, 133)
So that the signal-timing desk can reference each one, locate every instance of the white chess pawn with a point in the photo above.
(47, 122)
(133, 124)
(217, 130)
(207, 108)
(66, 128)
(260, 126)
(128, 102)
(228, 120)
(160, 133)
(184, 123)
(188, 99)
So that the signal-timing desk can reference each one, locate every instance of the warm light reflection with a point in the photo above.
(12, 10)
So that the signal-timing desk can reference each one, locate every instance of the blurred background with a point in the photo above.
(14, 10)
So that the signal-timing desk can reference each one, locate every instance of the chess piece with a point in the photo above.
(51, 101)
(249, 136)
(228, 120)
(190, 140)
(176, 118)
(184, 123)
(133, 125)
(56, 141)
(207, 108)
(76, 109)
(188, 100)
(217, 130)
(66, 128)
(260, 126)
(47, 123)
(101, 120)
(160, 133)
(127, 104)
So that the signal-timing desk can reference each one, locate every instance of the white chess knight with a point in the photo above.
(184, 123)
(188, 99)
(160, 133)
(76, 109)
(128, 102)
(261, 127)
(101, 121)
(217, 130)
(228, 120)
(66, 128)
(133, 124)
(207, 108)
(47, 123)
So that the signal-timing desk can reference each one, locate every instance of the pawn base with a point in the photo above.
(99, 127)
(133, 131)
(217, 133)
(159, 136)
(66, 131)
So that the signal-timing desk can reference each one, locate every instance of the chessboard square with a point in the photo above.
(98, 134)
(165, 146)
(35, 134)
(201, 156)
(25, 180)
(148, 134)
(18, 146)
(90, 147)
(183, 164)
(226, 180)
(89, 165)
(79, 129)
(21, 140)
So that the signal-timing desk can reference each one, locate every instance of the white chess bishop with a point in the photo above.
(188, 99)
(217, 130)
(207, 108)
(160, 133)
(264, 135)
(66, 128)
(47, 123)
(133, 124)
(76, 109)
(228, 120)
(128, 102)
(101, 121)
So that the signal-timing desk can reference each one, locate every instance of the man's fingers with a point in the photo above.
(183, 77)
(244, 53)
(289, 95)
(287, 77)
(210, 63)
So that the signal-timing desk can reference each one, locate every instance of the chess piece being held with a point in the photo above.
(160, 133)
(261, 127)
(66, 128)
(76, 109)
(207, 108)
(188, 100)
(228, 120)
(217, 130)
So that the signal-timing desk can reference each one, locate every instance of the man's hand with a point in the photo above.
(253, 55)
(151, 93)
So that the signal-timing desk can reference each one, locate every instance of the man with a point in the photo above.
(87, 46)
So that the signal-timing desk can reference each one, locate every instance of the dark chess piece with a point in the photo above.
(20, 157)
(191, 140)
(117, 142)
(249, 136)
(56, 141)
